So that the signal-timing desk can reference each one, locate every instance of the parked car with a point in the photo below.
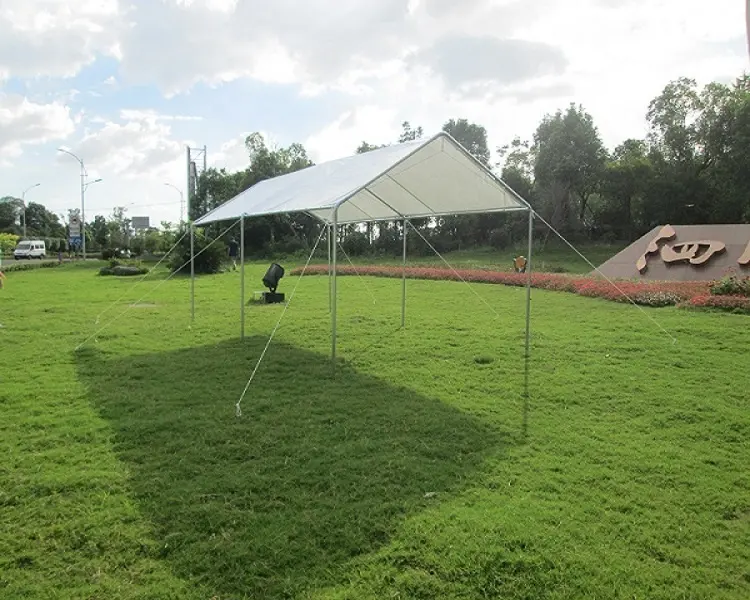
(30, 249)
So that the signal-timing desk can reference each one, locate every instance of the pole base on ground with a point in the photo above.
(273, 298)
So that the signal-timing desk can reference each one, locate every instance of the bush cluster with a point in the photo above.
(731, 285)
(123, 270)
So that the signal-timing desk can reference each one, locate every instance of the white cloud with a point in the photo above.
(500, 63)
(340, 138)
(24, 122)
(618, 55)
(232, 155)
(55, 37)
(140, 145)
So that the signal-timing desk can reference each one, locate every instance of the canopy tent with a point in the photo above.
(431, 178)
(410, 180)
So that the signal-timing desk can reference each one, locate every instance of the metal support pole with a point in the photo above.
(403, 281)
(334, 230)
(528, 283)
(192, 271)
(328, 241)
(242, 277)
(83, 210)
(527, 355)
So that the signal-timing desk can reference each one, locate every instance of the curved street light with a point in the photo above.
(182, 201)
(84, 186)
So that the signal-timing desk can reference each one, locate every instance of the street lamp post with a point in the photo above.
(182, 201)
(84, 185)
(23, 205)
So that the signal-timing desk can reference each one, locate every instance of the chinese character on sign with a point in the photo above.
(695, 252)
(745, 258)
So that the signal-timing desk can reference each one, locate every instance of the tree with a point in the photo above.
(119, 228)
(569, 162)
(99, 231)
(367, 147)
(698, 147)
(518, 168)
(408, 134)
(208, 258)
(471, 136)
(8, 242)
(626, 180)
(41, 222)
(9, 214)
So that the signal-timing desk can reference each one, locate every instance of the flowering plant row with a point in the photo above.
(739, 304)
(663, 293)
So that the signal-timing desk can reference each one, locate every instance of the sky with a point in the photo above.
(126, 85)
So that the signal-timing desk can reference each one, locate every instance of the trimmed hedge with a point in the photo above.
(28, 266)
(123, 270)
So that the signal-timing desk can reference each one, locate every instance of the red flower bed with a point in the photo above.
(734, 303)
(663, 293)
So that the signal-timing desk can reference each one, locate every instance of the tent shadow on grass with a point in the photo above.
(315, 472)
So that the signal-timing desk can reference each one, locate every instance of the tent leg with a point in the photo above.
(192, 271)
(242, 278)
(527, 353)
(328, 239)
(334, 245)
(403, 282)
(528, 283)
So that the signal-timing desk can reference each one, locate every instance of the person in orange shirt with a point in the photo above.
(519, 264)
(2, 279)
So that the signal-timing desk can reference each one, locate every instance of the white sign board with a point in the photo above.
(75, 226)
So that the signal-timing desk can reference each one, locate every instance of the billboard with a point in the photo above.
(140, 223)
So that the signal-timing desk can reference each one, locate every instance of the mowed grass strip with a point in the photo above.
(419, 471)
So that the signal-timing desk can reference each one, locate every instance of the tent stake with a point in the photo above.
(242, 277)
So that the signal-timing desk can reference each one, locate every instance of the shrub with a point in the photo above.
(208, 256)
(356, 244)
(8, 243)
(731, 285)
(28, 266)
(123, 270)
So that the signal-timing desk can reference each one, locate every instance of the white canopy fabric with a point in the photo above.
(410, 180)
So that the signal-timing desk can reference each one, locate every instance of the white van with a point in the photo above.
(30, 249)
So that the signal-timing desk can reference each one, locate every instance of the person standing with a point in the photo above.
(233, 251)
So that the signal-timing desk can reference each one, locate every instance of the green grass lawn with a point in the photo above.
(416, 472)
(549, 257)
